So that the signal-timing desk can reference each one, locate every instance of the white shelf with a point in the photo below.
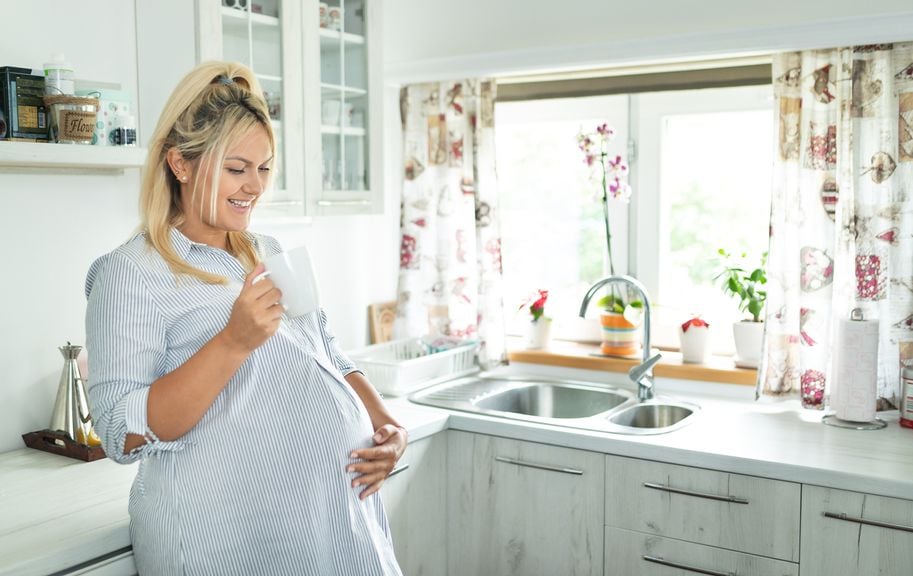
(269, 78)
(330, 38)
(234, 17)
(69, 157)
(334, 89)
(344, 130)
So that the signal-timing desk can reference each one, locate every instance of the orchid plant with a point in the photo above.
(612, 172)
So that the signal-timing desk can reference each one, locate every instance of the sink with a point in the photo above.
(653, 415)
(548, 400)
(573, 403)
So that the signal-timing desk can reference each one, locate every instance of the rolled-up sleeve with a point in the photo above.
(126, 342)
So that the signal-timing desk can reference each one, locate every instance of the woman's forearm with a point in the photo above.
(372, 400)
(178, 400)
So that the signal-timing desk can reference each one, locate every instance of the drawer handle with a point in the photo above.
(844, 517)
(397, 470)
(658, 560)
(664, 488)
(573, 471)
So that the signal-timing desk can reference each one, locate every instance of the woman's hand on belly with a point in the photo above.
(376, 463)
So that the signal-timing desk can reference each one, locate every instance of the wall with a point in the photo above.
(426, 40)
(54, 225)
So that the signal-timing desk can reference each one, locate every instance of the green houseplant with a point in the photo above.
(747, 285)
(744, 284)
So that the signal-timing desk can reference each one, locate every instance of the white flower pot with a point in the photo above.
(695, 344)
(537, 333)
(749, 339)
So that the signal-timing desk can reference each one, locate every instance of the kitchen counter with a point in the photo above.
(57, 512)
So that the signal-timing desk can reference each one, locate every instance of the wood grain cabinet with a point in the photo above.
(713, 513)
(520, 508)
(853, 533)
(415, 499)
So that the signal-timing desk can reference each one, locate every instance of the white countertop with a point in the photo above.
(56, 512)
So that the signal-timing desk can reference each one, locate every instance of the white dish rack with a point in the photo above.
(404, 366)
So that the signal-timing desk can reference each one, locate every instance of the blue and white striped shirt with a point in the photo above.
(259, 485)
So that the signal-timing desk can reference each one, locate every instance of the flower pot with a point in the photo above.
(749, 339)
(695, 344)
(537, 333)
(619, 336)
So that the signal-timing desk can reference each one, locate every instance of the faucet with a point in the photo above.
(642, 374)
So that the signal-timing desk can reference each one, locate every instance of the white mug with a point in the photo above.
(330, 112)
(293, 274)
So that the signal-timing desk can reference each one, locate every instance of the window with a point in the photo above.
(701, 178)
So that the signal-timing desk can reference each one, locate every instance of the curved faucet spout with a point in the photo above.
(644, 382)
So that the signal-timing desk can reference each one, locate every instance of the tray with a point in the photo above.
(60, 443)
(404, 366)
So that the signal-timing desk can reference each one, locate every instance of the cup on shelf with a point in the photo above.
(334, 18)
(324, 14)
(330, 112)
(348, 113)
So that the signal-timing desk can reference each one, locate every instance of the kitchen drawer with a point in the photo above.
(733, 511)
(874, 535)
(628, 552)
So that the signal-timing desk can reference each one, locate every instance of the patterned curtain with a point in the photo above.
(841, 215)
(450, 253)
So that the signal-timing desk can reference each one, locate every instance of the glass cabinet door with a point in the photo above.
(252, 35)
(344, 98)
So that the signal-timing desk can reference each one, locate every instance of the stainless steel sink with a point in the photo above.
(549, 400)
(653, 415)
(573, 403)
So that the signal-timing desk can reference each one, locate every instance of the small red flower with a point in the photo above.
(696, 322)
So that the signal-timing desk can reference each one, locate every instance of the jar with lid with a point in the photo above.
(58, 76)
(124, 133)
(906, 396)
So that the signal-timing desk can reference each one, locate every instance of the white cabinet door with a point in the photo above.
(322, 79)
(415, 499)
(853, 533)
(519, 508)
(628, 553)
(745, 513)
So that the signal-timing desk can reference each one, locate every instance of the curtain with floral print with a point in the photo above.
(450, 252)
(841, 228)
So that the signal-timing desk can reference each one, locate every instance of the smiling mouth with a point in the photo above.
(240, 203)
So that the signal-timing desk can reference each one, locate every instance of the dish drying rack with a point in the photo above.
(403, 366)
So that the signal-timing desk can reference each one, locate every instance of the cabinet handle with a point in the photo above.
(844, 517)
(397, 470)
(664, 488)
(658, 560)
(573, 471)
(343, 202)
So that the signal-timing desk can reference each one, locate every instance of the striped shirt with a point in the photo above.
(258, 485)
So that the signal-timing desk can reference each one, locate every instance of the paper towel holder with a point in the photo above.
(832, 420)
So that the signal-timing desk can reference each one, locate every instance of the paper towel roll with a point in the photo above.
(854, 381)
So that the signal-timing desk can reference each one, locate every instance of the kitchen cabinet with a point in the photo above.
(117, 564)
(735, 512)
(854, 533)
(323, 86)
(517, 507)
(628, 552)
(415, 499)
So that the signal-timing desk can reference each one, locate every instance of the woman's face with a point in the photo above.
(245, 173)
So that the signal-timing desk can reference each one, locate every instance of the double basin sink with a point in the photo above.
(572, 403)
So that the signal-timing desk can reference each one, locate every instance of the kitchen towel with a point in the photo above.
(854, 379)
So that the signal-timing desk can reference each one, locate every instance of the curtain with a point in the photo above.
(450, 280)
(841, 227)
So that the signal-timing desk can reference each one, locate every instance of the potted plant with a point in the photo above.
(694, 335)
(540, 325)
(621, 315)
(747, 285)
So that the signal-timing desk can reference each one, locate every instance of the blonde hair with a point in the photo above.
(213, 106)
